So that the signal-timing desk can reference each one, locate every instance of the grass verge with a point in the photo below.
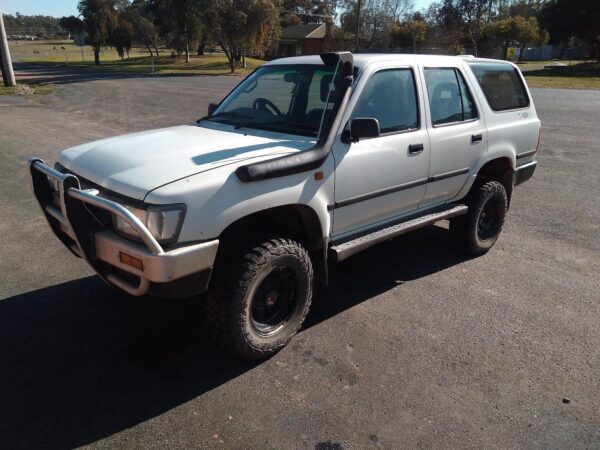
(28, 89)
(159, 65)
(577, 76)
(65, 53)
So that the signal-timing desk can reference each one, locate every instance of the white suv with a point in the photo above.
(306, 162)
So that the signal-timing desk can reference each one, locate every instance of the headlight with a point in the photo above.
(163, 222)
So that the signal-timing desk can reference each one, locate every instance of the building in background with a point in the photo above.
(305, 39)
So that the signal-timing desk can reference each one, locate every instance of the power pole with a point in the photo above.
(7, 69)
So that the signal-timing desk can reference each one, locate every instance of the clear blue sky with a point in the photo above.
(60, 8)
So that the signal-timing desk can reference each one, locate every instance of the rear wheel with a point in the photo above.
(259, 297)
(477, 231)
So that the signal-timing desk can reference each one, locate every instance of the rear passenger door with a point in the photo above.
(458, 135)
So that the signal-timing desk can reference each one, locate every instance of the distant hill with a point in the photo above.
(24, 27)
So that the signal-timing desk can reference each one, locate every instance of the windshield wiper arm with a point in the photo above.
(224, 114)
(286, 127)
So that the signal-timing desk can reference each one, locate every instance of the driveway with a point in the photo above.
(411, 346)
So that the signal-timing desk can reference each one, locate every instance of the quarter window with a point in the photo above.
(450, 100)
(391, 98)
(501, 84)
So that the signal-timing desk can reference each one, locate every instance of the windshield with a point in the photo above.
(296, 99)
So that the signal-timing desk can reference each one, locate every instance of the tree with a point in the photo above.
(181, 22)
(139, 14)
(474, 15)
(122, 36)
(521, 29)
(565, 19)
(146, 33)
(72, 24)
(410, 33)
(32, 25)
(446, 16)
(100, 19)
(469, 17)
(244, 25)
(525, 8)
(288, 20)
(397, 9)
(371, 20)
(307, 11)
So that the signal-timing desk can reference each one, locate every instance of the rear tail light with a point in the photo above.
(539, 143)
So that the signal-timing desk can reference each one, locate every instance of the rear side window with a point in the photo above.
(391, 98)
(449, 98)
(501, 84)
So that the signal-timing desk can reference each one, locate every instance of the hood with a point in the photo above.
(134, 164)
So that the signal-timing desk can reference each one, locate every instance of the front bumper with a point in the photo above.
(73, 220)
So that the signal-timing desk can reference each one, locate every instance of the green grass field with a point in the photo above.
(67, 53)
(579, 75)
(28, 89)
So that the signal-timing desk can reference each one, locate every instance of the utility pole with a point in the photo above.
(7, 69)
(356, 37)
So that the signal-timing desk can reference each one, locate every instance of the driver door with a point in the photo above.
(380, 178)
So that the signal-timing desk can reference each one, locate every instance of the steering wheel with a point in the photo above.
(263, 103)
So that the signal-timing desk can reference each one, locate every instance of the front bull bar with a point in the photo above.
(76, 226)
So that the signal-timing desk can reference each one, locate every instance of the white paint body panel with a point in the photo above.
(196, 165)
(373, 165)
(134, 164)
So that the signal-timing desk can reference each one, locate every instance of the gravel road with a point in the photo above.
(411, 346)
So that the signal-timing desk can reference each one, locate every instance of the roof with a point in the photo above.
(304, 31)
(362, 59)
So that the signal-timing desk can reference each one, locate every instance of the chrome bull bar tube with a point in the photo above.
(68, 185)
(119, 210)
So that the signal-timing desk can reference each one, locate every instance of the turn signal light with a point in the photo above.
(131, 261)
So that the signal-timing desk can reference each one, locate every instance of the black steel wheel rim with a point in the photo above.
(488, 225)
(274, 302)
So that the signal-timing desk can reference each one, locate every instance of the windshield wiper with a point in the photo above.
(225, 114)
(281, 126)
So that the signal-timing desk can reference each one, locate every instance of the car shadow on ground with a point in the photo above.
(36, 73)
(81, 361)
(50, 74)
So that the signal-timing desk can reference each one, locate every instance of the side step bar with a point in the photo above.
(344, 250)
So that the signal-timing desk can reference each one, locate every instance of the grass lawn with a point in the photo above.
(67, 53)
(28, 89)
(579, 75)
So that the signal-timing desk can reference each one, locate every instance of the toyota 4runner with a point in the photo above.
(308, 161)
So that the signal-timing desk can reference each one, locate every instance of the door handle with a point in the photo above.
(415, 149)
(476, 138)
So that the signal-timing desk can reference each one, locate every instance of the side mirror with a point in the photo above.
(363, 127)
(211, 108)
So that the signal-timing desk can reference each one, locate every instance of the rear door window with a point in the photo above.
(501, 84)
(450, 100)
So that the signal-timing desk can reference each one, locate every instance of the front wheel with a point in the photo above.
(259, 297)
(477, 231)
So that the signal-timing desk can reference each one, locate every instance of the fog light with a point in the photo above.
(131, 261)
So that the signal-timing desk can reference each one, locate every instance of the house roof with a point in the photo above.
(304, 31)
